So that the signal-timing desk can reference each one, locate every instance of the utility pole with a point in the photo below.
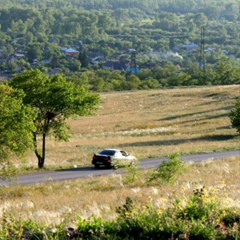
(133, 60)
(133, 65)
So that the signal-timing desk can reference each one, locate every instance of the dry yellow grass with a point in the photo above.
(53, 203)
(152, 124)
(147, 124)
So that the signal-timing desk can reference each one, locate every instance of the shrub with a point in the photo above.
(133, 173)
(8, 171)
(235, 115)
(168, 170)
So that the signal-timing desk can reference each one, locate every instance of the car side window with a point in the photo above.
(124, 153)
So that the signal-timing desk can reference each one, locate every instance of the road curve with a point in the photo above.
(75, 173)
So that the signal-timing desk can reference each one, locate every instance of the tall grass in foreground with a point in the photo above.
(199, 217)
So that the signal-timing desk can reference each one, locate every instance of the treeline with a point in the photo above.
(90, 19)
(178, 6)
(168, 75)
(38, 29)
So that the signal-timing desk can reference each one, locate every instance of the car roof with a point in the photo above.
(112, 149)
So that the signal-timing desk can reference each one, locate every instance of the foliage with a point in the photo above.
(95, 228)
(54, 99)
(124, 210)
(199, 217)
(83, 58)
(156, 29)
(168, 170)
(133, 173)
(16, 123)
(12, 229)
(235, 115)
(8, 170)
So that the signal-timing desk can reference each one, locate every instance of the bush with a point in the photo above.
(168, 170)
(235, 115)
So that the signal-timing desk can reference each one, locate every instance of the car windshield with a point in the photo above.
(107, 152)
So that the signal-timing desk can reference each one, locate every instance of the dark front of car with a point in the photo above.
(99, 160)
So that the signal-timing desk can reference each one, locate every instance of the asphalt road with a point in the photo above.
(74, 173)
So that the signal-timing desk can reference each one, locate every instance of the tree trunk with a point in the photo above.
(43, 151)
(41, 159)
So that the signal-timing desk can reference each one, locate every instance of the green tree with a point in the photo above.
(80, 79)
(12, 66)
(74, 65)
(235, 115)
(34, 51)
(225, 72)
(8, 50)
(82, 57)
(200, 19)
(54, 99)
(150, 83)
(133, 82)
(16, 123)
(97, 84)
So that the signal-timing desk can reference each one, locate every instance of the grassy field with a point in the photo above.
(152, 124)
(146, 124)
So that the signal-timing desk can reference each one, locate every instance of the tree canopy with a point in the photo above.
(16, 123)
(102, 33)
(235, 115)
(54, 99)
(40, 29)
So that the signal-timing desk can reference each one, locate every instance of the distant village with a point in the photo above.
(122, 61)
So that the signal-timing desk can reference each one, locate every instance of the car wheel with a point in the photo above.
(97, 166)
(114, 167)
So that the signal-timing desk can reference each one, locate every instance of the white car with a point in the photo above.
(113, 157)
